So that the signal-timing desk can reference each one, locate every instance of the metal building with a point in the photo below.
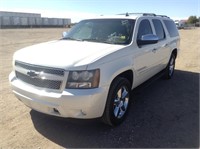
(18, 19)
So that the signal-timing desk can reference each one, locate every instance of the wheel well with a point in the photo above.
(128, 75)
(174, 52)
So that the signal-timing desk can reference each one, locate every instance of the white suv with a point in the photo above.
(90, 72)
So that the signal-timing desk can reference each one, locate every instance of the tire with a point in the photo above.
(169, 70)
(118, 102)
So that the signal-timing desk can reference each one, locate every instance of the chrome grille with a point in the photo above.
(40, 68)
(48, 83)
(52, 84)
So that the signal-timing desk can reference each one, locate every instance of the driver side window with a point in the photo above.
(144, 28)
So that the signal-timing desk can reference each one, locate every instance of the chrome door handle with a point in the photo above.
(166, 45)
(154, 50)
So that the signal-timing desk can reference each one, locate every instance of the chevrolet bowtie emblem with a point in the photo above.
(33, 74)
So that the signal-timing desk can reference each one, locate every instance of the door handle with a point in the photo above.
(165, 45)
(154, 50)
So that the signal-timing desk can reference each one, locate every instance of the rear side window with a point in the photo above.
(144, 28)
(171, 27)
(159, 29)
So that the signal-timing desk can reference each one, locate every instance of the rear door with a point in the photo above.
(161, 48)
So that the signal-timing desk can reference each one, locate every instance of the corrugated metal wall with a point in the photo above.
(15, 19)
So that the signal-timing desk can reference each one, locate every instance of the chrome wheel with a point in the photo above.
(169, 70)
(171, 66)
(117, 105)
(121, 102)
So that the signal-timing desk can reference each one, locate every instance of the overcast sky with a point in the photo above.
(80, 9)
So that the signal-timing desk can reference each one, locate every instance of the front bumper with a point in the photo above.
(73, 103)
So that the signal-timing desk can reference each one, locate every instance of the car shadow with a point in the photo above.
(163, 114)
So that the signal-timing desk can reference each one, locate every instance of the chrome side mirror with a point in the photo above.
(64, 34)
(148, 39)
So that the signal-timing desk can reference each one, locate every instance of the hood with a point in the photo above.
(64, 53)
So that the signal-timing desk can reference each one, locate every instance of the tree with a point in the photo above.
(192, 20)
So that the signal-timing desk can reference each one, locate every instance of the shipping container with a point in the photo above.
(53, 21)
(24, 21)
(31, 21)
(16, 21)
(38, 21)
(0, 22)
(6, 21)
(60, 22)
(45, 22)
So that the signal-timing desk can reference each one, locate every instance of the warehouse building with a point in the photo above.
(23, 20)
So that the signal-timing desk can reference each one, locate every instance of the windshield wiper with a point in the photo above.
(69, 38)
(92, 39)
(97, 40)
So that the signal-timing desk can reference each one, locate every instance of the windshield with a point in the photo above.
(111, 31)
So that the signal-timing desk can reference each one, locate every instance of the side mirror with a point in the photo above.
(147, 39)
(64, 34)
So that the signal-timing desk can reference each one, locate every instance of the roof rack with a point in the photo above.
(143, 14)
(164, 16)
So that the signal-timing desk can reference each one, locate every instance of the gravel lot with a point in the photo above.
(163, 114)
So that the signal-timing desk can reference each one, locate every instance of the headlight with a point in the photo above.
(83, 79)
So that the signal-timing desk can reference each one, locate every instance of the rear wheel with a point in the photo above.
(117, 102)
(169, 71)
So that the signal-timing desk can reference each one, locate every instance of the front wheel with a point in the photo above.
(118, 102)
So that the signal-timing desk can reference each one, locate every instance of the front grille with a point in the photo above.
(37, 81)
(59, 72)
(51, 84)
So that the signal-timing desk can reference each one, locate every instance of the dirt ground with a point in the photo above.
(164, 114)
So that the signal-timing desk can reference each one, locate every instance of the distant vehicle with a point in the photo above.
(180, 24)
(90, 72)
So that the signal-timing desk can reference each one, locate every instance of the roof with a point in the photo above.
(129, 16)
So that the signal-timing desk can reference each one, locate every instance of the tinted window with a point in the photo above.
(171, 27)
(112, 31)
(144, 28)
(159, 29)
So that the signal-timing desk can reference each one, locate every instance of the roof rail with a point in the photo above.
(164, 16)
(143, 14)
